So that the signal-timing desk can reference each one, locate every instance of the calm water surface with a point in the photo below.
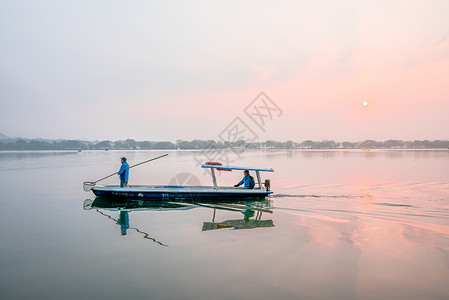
(340, 225)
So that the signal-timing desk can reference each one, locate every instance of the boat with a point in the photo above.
(190, 193)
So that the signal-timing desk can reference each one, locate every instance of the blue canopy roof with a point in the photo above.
(235, 168)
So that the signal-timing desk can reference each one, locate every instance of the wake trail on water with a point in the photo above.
(341, 196)
(312, 196)
(393, 204)
(378, 214)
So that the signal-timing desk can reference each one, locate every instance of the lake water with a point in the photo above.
(340, 225)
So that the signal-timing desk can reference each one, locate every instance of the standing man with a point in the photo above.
(123, 172)
(247, 180)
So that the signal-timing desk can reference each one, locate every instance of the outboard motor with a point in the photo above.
(267, 184)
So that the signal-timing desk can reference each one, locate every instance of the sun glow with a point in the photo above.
(365, 103)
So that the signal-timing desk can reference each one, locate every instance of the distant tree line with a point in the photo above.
(130, 144)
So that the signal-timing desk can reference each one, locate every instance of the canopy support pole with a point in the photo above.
(214, 179)
(258, 179)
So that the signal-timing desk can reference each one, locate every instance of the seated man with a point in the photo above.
(248, 181)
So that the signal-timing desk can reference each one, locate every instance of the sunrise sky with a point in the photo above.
(167, 70)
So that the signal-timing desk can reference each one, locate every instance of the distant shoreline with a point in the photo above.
(129, 144)
(254, 149)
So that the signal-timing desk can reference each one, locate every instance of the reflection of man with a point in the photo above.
(123, 221)
(123, 172)
(247, 181)
(247, 214)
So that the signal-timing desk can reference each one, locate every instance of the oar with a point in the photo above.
(88, 185)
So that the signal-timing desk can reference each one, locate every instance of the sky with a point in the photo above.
(168, 70)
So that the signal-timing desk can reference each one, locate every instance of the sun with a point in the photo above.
(365, 103)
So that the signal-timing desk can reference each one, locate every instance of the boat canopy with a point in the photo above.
(234, 168)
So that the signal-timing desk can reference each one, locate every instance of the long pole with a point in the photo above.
(89, 184)
(141, 163)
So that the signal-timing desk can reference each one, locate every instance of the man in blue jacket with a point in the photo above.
(123, 172)
(247, 180)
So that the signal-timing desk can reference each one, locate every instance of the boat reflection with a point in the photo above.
(133, 205)
(248, 211)
(251, 212)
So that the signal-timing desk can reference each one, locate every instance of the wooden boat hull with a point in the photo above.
(179, 193)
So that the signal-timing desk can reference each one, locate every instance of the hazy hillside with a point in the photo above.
(130, 144)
